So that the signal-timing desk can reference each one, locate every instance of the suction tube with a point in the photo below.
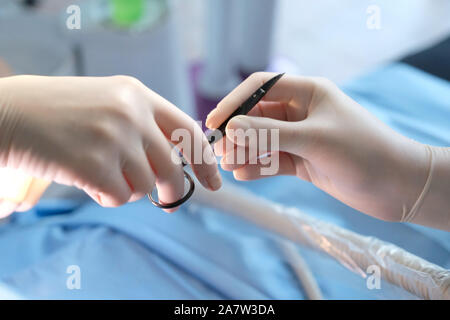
(356, 252)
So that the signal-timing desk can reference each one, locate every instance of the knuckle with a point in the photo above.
(125, 94)
(124, 80)
(323, 83)
(113, 119)
(146, 182)
(205, 175)
(104, 132)
(96, 163)
(96, 173)
(88, 165)
(123, 113)
(120, 199)
(170, 173)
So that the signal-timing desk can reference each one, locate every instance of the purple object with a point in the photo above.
(205, 104)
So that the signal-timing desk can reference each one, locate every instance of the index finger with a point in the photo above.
(177, 125)
(289, 89)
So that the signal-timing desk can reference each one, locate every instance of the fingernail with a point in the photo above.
(214, 182)
(213, 111)
(99, 199)
(208, 121)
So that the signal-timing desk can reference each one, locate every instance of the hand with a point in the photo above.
(107, 136)
(328, 139)
(18, 192)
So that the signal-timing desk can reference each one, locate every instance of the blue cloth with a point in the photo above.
(137, 252)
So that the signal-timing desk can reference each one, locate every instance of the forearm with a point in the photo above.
(433, 205)
(15, 132)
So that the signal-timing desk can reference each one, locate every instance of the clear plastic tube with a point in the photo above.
(354, 251)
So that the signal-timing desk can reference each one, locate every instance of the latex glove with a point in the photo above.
(328, 139)
(18, 191)
(107, 136)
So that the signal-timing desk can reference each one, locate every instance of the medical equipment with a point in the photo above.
(354, 251)
(216, 135)
(109, 47)
(126, 13)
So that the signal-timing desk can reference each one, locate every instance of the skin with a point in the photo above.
(328, 139)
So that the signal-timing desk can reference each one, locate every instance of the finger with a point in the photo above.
(34, 193)
(223, 146)
(109, 188)
(271, 109)
(186, 133)
(7, 208)
(288, 163)
(236, 158)
(286, 136)
(169, 174)
(258, 139)
(277, 164)
(268, 109)
(241, 156)
(220, 147)
(138, 174)
(289, 90)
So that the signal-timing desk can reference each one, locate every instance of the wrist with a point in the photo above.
(432, 206)
(406, 178)
(9, 119)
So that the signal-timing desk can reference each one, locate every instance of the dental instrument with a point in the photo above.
(216, 135)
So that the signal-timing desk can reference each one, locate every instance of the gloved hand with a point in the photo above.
(107, 136)
(18, 191)
(328, 139)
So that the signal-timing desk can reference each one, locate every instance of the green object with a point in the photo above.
(125, 13)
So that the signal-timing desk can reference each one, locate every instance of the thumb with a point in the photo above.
(285, 136)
